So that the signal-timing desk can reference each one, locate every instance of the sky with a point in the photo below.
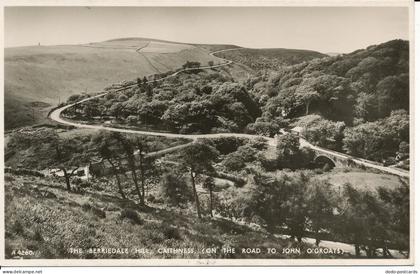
(324, 29)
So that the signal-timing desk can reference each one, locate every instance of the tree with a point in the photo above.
(393, 93)
(325, 133)
(146, 164)
(209, 185)
(149, 92)
(91, 109)
(297, 206)
(263, 128)
(75, 98)
(363, 140)
(122, 98)
(364, 220)
(258, 143)
(233, 162)
(380, 139)
(128, 149)
(132, 120)
(226, 145)
(151, 112)
(307, 95)
(322, 200)
(69, 158)
(277, 202)
(106, 146)
(191, 65)
(117, 109)
(68, 155)
(288, 150)
(397, 203)
(198, 159)
(366, 107)
(174, 190)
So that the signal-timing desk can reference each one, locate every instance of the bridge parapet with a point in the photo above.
(343, 160)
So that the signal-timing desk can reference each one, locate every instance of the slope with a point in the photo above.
(274, 58)
(50, 74)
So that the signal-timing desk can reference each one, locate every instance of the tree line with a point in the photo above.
(301, 206)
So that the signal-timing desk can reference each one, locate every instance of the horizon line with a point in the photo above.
(197, 44)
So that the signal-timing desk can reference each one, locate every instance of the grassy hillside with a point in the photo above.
(47, 220)
(21, 111)
(52, 73)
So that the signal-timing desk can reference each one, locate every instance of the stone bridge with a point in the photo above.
(337, 159)
(332, 159)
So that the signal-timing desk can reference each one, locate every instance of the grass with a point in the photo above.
(216, 47)
(360, 179)
(51, 224)
(305, 121)
(21, 112)
(164, 47)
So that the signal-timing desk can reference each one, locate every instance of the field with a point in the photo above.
(361, 179)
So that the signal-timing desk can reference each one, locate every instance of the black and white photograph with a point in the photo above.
(172, 135)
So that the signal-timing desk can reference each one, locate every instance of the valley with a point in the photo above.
(233, 140)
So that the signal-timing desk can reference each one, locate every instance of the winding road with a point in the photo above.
(56, 116)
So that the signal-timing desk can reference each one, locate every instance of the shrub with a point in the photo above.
(247, 153)
(98, 212)
(258, 143)
(327, 167)
(233, 162)
(94, 210)
(76, 181)
(23, 171)
(171, 233)
(238, 181)
(38, 235)
(268, 164)
(263, 128)
(132, 120)
(17, 227)
(151, 198)
(131, 215)
(226, 145)
(174, 190)
(86, 207)
(9, 178)
(49, 195)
